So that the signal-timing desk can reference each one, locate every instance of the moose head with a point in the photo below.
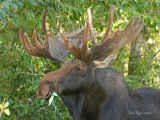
(89, 92)
(76, 73)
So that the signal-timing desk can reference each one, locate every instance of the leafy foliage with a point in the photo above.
(4, 108)
(20, 72)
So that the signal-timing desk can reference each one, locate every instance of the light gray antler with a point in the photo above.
(53, 46)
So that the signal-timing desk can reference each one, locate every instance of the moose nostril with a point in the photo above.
(38, 97)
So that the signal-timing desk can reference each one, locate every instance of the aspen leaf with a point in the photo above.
(6, 111)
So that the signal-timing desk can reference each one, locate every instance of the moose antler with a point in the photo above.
(80, 53)
(39, 50)
(53, 46)
(109, 44)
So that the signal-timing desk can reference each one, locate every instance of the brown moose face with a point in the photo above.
(69, 78)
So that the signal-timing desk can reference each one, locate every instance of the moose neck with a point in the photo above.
(108, 91)
(102, 87)
(120, 97)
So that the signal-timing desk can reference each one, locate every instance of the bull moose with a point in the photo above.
(91, 92)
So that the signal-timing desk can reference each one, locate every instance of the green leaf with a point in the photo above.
(53, 67)
(32, 2)
(51, 100)
(40, 1)
(6, 104)
(158, 26)
(55, 94)
(2, 14)
(6, 111)
(1, 105)
(14, 6)
(20, 3)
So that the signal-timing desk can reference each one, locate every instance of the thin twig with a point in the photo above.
(30, 74)
(42, 108)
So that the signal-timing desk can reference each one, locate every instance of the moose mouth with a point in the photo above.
(47, 99)
(48, 95)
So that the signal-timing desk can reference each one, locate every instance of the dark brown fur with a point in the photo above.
(92, 93)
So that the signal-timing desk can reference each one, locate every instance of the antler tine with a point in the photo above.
(129, 25)
(65, 41)
(85, 35)
(117, 42)
(44, 21)
(40, 39)
(110, 22)
(23, 41)
(80, 53)
(130, 33)
(136, 28)
(43, 26)
(46, 39)
(137, 21)
(32, 48)
(35, 40)
(90, 27)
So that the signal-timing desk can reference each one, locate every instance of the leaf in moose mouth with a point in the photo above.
(52, 98)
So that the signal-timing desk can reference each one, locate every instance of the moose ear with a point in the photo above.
(106, 62)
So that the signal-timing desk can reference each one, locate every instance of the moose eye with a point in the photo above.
(77, 69)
